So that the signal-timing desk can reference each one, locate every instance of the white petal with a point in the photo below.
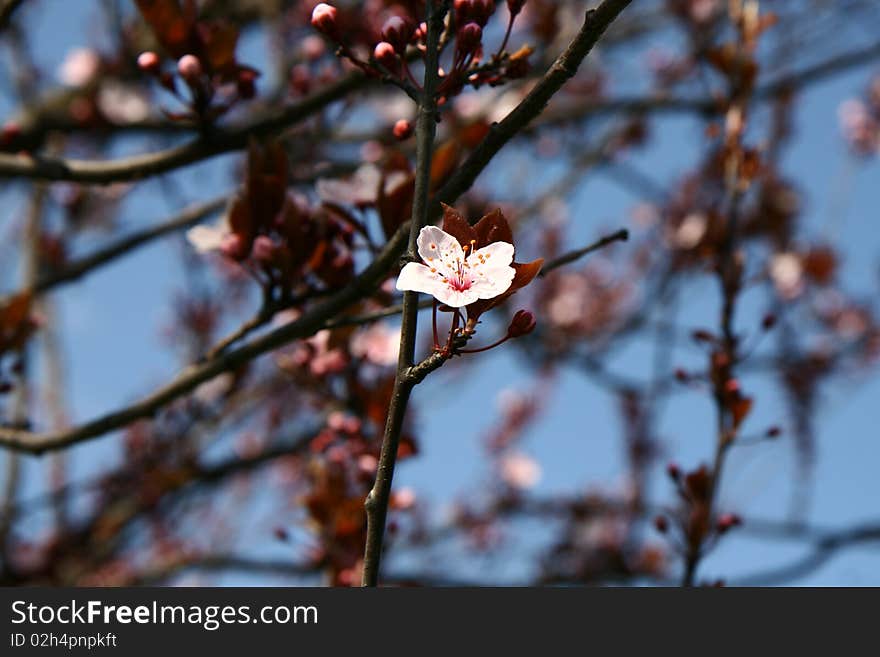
(497, 254)
(440, 250)
(358, 189)
(489, 284)
(205, 238)
(490, 269)
(416, 277)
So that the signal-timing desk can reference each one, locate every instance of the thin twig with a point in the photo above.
(376, 503)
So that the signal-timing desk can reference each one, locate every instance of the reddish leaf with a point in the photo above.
(444, 162)
(395, 205)
(739, 409)
(219, 40)
(169, 23)
(493, 228)
(457, 226)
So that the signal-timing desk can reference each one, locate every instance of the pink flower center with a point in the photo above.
(460, 280)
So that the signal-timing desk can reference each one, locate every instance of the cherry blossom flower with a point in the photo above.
(206, 238)
(122, 103)
(453, 276)
(786, 271)
(360, 189)
(519, 471)
(379, 344)
(79, 67)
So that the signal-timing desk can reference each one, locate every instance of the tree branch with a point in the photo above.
(376, 503)
(368, 280)
(214, 143)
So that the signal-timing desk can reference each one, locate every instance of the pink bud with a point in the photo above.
(324, 19)
(403, 129)
(385, 55)
(233, 246)
(148, 62)
(9, 133)
(673, 470)
(246, 84)
(523, 323)
(515, 6)
(728, 521)
(189, 67)
(463, 10)
(263, 249)
(469, 38)
(482, 11)
(398, 31)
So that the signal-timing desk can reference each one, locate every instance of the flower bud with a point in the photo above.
(673, 470)
(246, 84)
(9, 133)
(774, 432)
(148, 62)
(463, 10)
(398, 31)
(403, 129)
(523, 323)
(661, 524)
(233, 246)
(728, 521)
(324, 20)
(469, 38)
(731, 387)
(189, 67)
(515, 6)
(482, 11)
(263, 249)
(385, 55)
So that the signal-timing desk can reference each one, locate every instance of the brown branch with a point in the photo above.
(7, 8)
(323, 314)
(376, 503)
(190, 378)
(210, 145)
(566, 65)
(78, 268)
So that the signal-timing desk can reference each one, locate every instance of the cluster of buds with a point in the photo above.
(401, 36)
(206, 65)
(398, 33)
(342, 466)
(695, 524)
(210, 94)
(471, 18)
(289, 246)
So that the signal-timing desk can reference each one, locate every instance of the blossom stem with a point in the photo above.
(376, 504)
(506, 37)
(497, 343)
